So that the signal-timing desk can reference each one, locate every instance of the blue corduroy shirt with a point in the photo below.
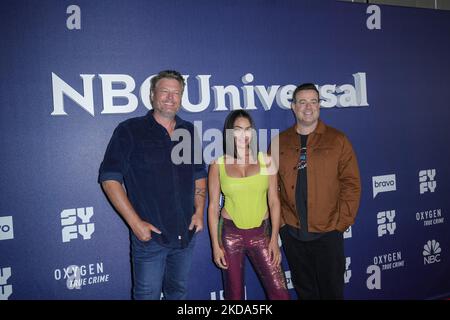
(162, 192)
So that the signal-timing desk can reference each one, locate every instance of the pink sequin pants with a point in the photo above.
(237, 243)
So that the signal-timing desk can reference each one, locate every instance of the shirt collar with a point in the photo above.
(320, 128)
(179, 123)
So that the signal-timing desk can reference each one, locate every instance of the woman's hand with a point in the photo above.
(219, 258)
(274, 252)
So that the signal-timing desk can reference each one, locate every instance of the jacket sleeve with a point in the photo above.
(349, 186)
(116, 160)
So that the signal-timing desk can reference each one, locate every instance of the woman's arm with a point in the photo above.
(214, 213)
(274, 209)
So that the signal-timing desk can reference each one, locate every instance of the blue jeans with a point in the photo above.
(159, 269)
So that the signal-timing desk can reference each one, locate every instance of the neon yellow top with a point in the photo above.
(245, 197)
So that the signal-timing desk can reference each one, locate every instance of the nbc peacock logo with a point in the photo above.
(431, 252)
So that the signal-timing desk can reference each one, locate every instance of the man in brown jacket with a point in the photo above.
(320, 190)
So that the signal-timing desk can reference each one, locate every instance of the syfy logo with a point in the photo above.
(77, 276)
(346, 95)
(385, 220)
(71, 230)
(6, 228)
(348, 272)
(384, 183)
(348, 233)
(219, 294)
(427, 180)
(431, 252)
(5, 290)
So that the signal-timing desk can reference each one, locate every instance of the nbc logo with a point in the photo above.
(431, 252)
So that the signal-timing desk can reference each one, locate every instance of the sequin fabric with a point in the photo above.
(238, 243)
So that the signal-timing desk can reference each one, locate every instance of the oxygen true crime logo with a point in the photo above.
(77, 276)
(430, 217)
(386, 261)
(389, 260)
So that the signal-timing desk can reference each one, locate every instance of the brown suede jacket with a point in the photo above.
(334, 186)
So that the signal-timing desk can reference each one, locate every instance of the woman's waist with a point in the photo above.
(241, 219)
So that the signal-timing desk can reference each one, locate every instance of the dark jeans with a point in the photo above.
(317, 266)
(159, 269)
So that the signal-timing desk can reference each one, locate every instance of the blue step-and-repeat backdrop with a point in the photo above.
(72, 70)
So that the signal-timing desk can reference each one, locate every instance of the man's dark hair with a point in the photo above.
(305, 86)
(228, 134)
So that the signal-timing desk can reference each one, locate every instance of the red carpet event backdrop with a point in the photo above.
(72, 70)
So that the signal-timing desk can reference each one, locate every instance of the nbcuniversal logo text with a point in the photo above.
(120, 87)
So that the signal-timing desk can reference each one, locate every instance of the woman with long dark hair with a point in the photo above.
(241, 227)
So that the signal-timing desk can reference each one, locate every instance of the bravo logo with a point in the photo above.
(6, 228)
(384, 183)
